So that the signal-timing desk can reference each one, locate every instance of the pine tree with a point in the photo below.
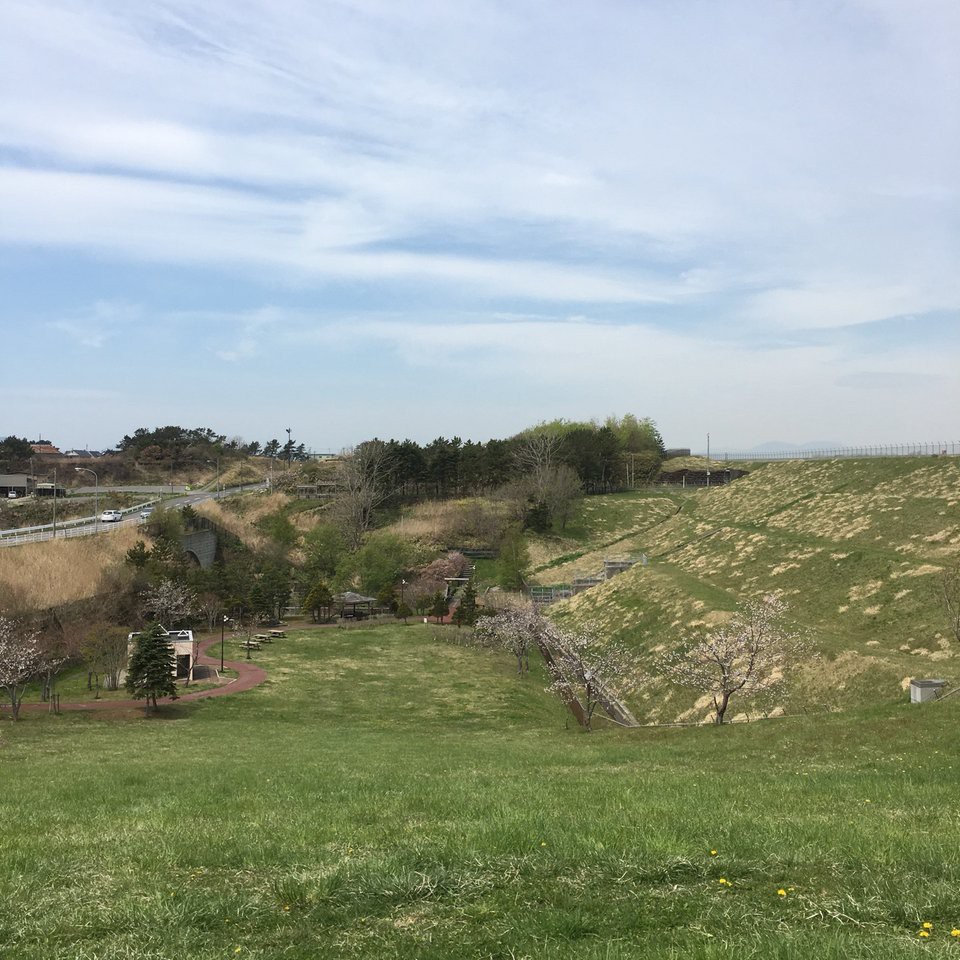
(467, 610)
(439, 606)
(319, 598)
(152, 667)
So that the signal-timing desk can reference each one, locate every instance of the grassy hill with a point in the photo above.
(854, 547)
(388, 794)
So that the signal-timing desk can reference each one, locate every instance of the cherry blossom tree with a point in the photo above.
(168, 602)
(592, 672)
(515, 630)
(587, 671)
(21, 658)
(749, 655)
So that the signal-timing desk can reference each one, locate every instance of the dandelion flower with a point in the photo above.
(237, 949)
(955, 932)
(543, 843)
(286, 908)
(924, 933)
(927, 925)
(781, 892)
(713, 853)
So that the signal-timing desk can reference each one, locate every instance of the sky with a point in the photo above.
(364, 218)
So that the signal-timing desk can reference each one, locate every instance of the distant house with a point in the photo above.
(186, 650)
(45, 449)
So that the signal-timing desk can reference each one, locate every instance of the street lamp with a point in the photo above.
(96, 494)
(223, 621)
(289, 447)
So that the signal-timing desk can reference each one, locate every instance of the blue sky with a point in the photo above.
(364, 217)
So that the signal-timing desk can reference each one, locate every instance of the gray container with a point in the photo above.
(923, 690)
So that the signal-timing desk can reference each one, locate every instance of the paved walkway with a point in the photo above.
(249, 675)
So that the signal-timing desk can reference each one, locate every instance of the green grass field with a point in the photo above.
(390, 794)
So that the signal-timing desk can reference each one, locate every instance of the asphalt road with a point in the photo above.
(88, 526)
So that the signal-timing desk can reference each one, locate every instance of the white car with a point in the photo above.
(146, 513)
(111, 516)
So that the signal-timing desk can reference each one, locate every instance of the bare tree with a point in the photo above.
(105, 651)
(749, 655)
(536, 455)
(562, 487)
(21, 658)
(363, 477)
(168, 602)
(950, 596)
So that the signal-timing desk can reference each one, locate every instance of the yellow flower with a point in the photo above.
(781, 892)
(237, 949)
(955, 932)
(924, 933)
(724, 882)
(543, 843)
(286, 908)
(713, 853)
(927, 925)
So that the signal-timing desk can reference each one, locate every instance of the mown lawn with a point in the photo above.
(389, 794)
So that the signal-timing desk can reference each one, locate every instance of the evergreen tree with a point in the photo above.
(403, 611)
(319, 598)
(152, 667)
(467, 609)
(439, 606)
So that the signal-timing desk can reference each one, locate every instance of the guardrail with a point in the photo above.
(81, 526)
(78, 527)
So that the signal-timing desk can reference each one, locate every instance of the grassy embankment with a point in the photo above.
(386, 795)
(853, 546)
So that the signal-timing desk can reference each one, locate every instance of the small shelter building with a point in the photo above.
(18, 484)
(186, 649)
(354, 605)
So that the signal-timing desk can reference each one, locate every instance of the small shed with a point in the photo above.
(923, 690)
(349, 602)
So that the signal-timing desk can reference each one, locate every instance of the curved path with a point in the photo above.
(249, 675)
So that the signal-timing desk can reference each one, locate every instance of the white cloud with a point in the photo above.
(759, 170)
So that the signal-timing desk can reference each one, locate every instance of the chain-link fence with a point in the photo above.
(926, 448)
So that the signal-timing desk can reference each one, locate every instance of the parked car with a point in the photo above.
(12, 494)
(111, 516)
(146, 513)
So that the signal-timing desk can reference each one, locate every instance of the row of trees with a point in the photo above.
(603, 456)
(539, 472)
(185, 445)
(747, 657)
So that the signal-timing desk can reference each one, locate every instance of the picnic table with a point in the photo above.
(250, 644)
(277, 633)
(263, 638)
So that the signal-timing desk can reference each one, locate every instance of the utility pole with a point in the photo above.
(289, 447)
(708, 461)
